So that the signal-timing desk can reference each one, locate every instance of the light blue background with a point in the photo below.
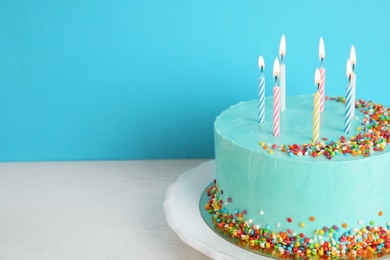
(103, 79)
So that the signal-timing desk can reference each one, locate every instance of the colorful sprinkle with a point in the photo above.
(327, 243)
(376, 131)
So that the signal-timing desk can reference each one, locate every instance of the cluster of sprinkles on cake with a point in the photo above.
(373, 136)
(336, 241)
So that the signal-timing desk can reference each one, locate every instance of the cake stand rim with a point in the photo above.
(188, 224)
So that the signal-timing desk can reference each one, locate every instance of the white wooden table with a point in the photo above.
(89, 210)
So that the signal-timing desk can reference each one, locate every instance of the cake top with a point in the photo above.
(369, 135)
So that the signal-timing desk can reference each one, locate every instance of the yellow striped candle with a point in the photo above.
(317, 109)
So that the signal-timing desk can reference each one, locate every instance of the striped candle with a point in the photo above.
(276, 111)
(317, 108)
(352, 58)
(261, 105)
(316, 117)
(276, 99)
(321, 89)
(282, 73)
(321, 54)
(348, 110)
(282, 84)
(353, 86)
(348, 101)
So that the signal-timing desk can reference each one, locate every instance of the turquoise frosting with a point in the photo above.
(345, 190)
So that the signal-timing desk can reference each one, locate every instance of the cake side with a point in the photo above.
(285, 193)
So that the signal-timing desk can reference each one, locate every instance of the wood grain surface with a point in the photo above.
(89, 210)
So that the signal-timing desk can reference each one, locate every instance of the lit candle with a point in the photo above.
(321, 53)
(282, 73)
(348, 101)
(352, 58)
(276, 99)
(261, 90)
(317, 108)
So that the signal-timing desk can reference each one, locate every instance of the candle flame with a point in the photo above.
(349, 69)
(261, 62)
(352, 55)
(317, 77)
(321, 49)
(282, 46)
(276, 68)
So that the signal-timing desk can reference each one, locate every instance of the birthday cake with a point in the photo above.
(287, 196)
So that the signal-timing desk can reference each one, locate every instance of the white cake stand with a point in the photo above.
(182, 213)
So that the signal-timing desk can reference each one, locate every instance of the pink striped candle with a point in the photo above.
(276, 111)
(321, 89)
(276, 100)
(282, 86)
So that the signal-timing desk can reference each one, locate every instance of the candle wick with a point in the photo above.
(262, 70)
(281, 55)
(322, 62)
(276, 80)
(353, 67)
(350, 76)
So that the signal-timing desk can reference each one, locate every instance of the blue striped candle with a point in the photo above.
(261, 105)
(348, 110)
(282, 73)
(348, 101)
(352, 58)
(261, 99)
(353, 86)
